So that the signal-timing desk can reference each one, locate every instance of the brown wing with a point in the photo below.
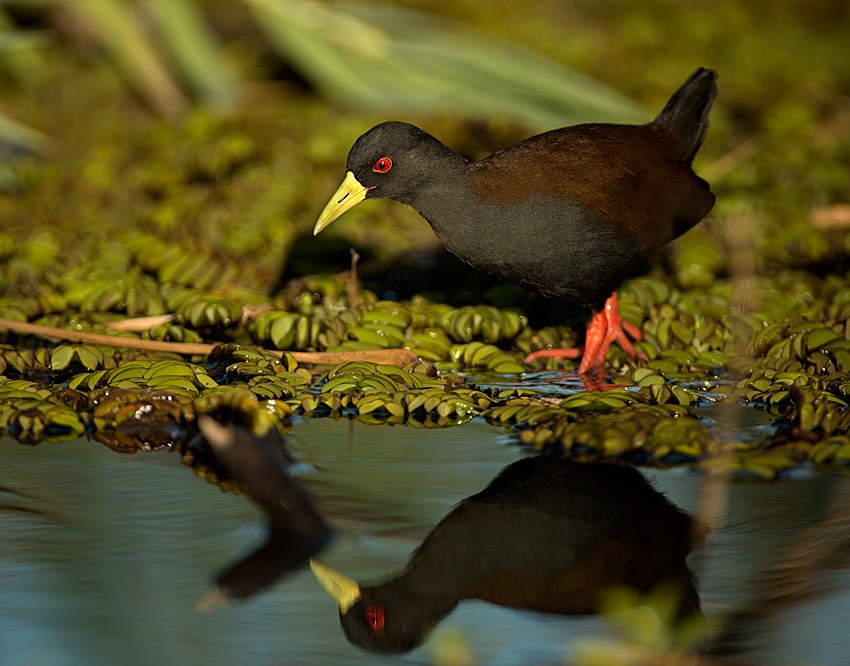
(626, 174)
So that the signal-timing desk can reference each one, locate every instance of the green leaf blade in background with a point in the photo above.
(195, 50)
(135, 55)
(374, 56)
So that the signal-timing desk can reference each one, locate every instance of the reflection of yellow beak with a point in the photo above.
(345, 590)
(349, 194)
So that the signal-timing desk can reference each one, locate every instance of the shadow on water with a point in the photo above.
(546, 535)
(295, 530)
(543, 535)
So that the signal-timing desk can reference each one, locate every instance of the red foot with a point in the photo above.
(605, 327)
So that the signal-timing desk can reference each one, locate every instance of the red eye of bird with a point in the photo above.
(375, 617)
(383, 165)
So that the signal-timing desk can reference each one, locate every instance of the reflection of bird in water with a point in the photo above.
(296, 531)
(548, 536)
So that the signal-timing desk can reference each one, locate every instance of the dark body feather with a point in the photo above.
(548, 536)
(570, 213)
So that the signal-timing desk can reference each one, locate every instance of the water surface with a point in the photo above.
(104, 556)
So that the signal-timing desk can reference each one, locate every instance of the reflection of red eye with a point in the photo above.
(375, 617)
(383, 165)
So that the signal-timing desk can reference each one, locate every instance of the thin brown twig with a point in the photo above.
(354, 285)
(714, 492)
(727, 163)
(398, 357)
(139, 324)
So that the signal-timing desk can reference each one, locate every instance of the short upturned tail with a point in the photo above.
(687, 111)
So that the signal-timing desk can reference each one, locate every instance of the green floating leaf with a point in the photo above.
(89, 357)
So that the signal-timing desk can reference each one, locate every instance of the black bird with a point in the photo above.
(569, 213)
(549, 536)
(295, 530)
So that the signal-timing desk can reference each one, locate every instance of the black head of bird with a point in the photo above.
(387, 618)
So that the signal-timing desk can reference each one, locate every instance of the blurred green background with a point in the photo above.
(153, 147)
(222, 125)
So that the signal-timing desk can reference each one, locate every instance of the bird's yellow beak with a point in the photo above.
(345, 590)
(349, 194)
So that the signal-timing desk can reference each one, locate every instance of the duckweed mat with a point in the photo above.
(193, 238)
(792, 366)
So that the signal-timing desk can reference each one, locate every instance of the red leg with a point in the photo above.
(606, 326)
(595, 343)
